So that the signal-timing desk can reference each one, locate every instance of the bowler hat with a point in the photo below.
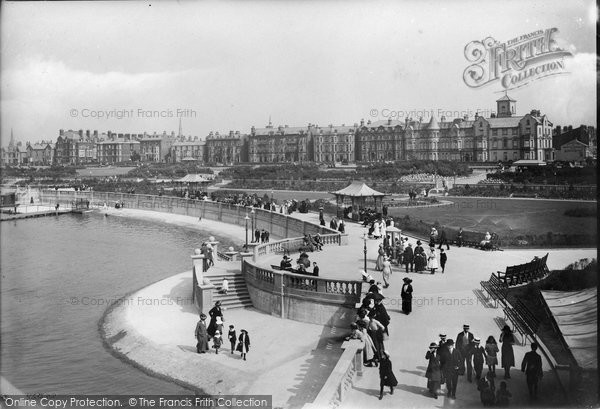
(433, 345)
(450, 342)
(418, 242)
(203, 316)
(442, 335)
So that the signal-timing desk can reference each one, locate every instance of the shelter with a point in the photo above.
(576, 314)
(360, 196)
(194, 181)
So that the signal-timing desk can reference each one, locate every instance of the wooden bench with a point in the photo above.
(496, 289)
(524, 273)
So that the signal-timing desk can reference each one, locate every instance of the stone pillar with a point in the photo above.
(214, 244)
(198, 265)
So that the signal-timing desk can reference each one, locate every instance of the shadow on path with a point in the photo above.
(317, 368)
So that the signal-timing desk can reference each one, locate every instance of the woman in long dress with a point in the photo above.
(434, 371)
(386, 374)
(420, 260)
(380, 258)
(386, 272)
(406, 295)
(376, 330)
(201, 335)
(369, 348)
(508, 356)
(432, 262)
(376, 230)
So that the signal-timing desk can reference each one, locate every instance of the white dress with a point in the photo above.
(432, 260)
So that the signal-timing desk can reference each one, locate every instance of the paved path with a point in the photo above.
(290, 360)
(441, 303)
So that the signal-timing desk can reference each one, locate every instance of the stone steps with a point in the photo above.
(237, 296)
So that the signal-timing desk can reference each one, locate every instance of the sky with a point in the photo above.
(138, 66)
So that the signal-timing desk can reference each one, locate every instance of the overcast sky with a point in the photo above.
(233, 65)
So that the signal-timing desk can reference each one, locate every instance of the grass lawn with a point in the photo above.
(506, 217)
(103, 172)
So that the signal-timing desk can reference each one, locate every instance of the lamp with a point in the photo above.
(365, 238)
(246, 219)
(253, 213)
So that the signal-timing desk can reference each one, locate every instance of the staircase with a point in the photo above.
(237, 296)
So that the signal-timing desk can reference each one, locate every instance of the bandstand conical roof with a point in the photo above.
(358, 189)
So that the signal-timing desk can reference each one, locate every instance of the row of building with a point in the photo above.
(501, 137)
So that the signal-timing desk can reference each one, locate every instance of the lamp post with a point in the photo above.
(246, 219)
(253, 213)
(365, 237)
(271, 207)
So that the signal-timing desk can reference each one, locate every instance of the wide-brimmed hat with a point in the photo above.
(450, 342)
(466, 326)
(433, 345)
(378, 297)
(218, 303)
(442, 335)
(286, 257)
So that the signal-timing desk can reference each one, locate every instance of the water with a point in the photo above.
(51, 267)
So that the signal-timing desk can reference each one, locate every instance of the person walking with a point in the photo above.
(232, 336)
(491, 354)
(451, 363)
(507, 339)
(406, 295)
(477, 354)
(419, 257)
(443, 260)
(315, 269)
(243, 343)
(386, 374)
(503, 396)
(442, 350)
(380, 258)
(214, 313)
(532, 366)
(217, 341)
(201, 335)
(408, 258)
(386, 272)
(459, 237)
(463, 341)
(375, 329)
(432, 263)
(443, 240)
(434, 370)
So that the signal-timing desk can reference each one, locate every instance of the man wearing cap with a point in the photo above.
(451, 362)
(442, 350)
(532, 366)
(463, 341)
(477, 354)
(406, 295)
(201, 335)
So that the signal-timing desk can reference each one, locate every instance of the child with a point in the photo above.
(243, 343)
(232, 337)
(217, 341)
(225, 286)
(443, 259)
(486, 389)
(502, 395)
(219, 324)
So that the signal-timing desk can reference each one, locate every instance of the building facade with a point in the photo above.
(226, 149)
(117, 150)
(279, 145)
(190, 149)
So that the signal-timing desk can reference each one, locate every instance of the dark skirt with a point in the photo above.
(407, 305)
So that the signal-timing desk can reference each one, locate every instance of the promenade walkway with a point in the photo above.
(442, 303)
(291, 360)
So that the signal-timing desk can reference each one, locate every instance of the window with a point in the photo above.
(494, 132)
(505, 132)
(505, 143)
(515, 143)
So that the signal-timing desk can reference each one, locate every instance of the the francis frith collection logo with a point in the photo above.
(516, 62)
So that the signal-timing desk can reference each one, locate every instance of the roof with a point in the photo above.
(504, 122)
(358, 189)
(332, 129)
(193, 178)
(576, 313)
(529, 162)
(384, 123)
(506, 98)
(433, 123)
(287, 130)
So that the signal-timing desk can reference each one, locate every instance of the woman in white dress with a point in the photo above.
(432, 262)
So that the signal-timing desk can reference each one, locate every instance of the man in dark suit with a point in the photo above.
(451, 362)
(315, 269)
(408, 257)
(463, 341)
(532, 366)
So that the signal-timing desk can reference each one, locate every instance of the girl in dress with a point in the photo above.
(243, 343)
(491, 354)
(432, 262)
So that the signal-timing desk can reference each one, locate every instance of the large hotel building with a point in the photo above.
(501, 137)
